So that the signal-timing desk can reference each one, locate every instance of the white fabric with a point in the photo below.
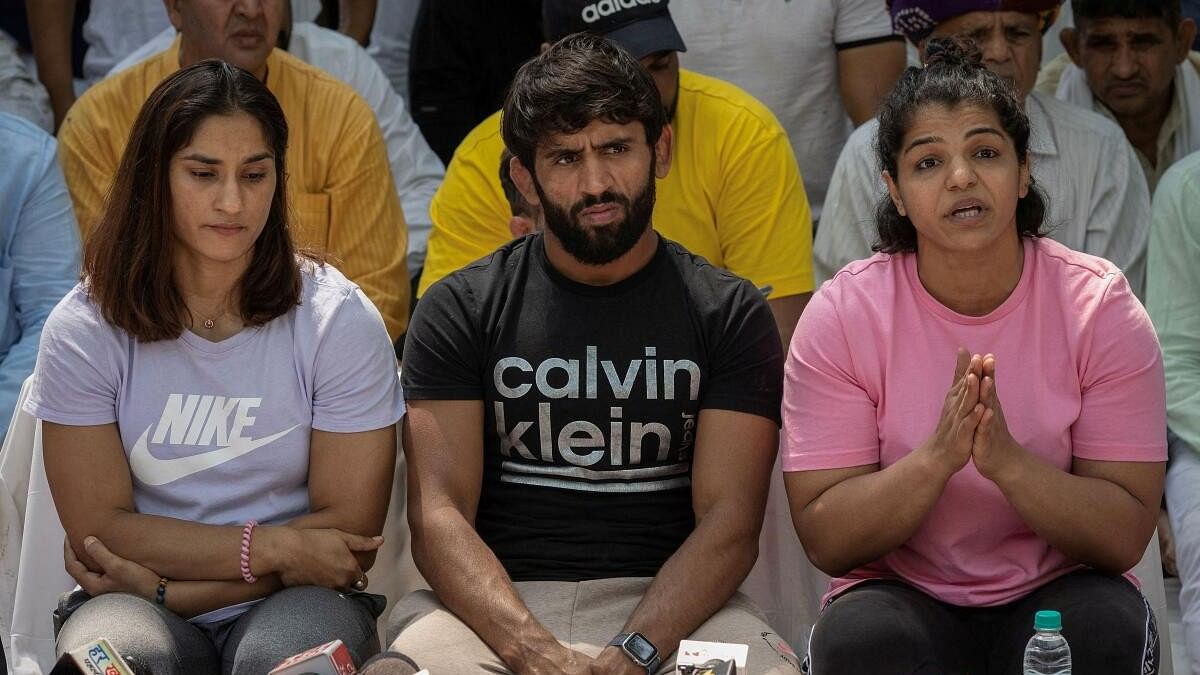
(1183, 507)
(115, 28)
(391, 40)
(1096, 194)
(31, 570)
(1073, 88)
(416, 170)
(784, 584)
(785, 55)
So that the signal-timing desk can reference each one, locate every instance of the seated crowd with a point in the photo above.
(620, 343)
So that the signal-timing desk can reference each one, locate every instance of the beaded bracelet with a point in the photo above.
(247, 531)
(160, 595)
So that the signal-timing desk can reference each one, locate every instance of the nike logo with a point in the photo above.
(154, 471)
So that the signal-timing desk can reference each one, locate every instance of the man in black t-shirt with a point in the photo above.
(593, 410)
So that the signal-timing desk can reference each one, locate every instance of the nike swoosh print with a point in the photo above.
(154, 471)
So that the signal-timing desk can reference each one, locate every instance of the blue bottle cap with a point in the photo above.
(1047, 619)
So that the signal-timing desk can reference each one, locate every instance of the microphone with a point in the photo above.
(331, 658)
(97, 657)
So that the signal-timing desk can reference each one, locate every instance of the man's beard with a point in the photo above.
(600, 244)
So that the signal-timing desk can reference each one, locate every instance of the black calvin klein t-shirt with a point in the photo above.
(591, 399)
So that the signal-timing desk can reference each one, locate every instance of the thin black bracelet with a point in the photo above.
(160, 596)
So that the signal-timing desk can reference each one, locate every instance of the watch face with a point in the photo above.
(640, 648)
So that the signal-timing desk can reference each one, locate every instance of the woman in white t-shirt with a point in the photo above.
(218, 411)
(951, 496)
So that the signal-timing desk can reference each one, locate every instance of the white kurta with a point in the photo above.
(1097, 200)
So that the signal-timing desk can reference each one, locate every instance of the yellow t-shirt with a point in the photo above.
(733, 194)
(340, 189)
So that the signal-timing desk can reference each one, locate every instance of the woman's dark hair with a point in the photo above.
(953, 76)
(128, 264)
(579, 79)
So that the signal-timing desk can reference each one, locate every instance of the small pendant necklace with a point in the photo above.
(209, 323)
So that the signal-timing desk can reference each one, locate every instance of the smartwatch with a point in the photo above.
(640, 650)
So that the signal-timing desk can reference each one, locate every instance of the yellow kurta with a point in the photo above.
(340, 188)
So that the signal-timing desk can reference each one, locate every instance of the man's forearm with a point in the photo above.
(470, 581)
(697, 580)
(50, 24)
(356, 18)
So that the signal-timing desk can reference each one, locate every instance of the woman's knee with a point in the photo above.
(149, 638)
(876, 629)
(296, 619)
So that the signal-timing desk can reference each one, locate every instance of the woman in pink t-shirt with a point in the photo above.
(973, 418)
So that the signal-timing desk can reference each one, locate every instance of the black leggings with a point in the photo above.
(891, 628)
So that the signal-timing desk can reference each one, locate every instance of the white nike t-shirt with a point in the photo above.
(218, 432)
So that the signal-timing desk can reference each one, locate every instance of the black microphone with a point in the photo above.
(97, 657)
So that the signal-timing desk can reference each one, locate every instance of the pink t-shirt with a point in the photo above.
(1079, 374)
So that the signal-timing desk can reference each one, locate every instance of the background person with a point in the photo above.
(1128, 60)
(734, 193)
(342, 191)
(1172, 291)
(951, 497)
(203, 378)
(39, 244)
(416, 171)
(1098, 199)
(821, 66)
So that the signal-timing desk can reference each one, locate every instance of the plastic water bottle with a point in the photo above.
(1047, 652)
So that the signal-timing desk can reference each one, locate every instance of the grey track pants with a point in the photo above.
(156, 641)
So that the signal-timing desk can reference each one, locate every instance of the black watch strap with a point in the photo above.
(622, 640)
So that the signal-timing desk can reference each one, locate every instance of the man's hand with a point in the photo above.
(117, 574)
(992, 449)
(558, 659)
(613, 661)
(951, 443)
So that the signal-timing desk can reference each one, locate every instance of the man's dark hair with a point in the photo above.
(1167, 10)
(580, 79)
(516, 200)
(953, 76)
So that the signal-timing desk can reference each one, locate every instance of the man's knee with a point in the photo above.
(435, 638)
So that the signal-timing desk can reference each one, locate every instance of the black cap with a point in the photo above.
(642, 27)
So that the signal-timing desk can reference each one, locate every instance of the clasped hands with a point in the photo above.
(972, 425)
(299, 556)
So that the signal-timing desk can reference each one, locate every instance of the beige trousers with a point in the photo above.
(584, 616)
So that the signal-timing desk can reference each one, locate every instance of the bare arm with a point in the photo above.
(90, 481)
(734, 455)
(185, 598)
(866, 74)
(1101, 513)
(787, 311)
(50, 24)
(349, 483)
(356, 18)
(888, 505)
(443, 445)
